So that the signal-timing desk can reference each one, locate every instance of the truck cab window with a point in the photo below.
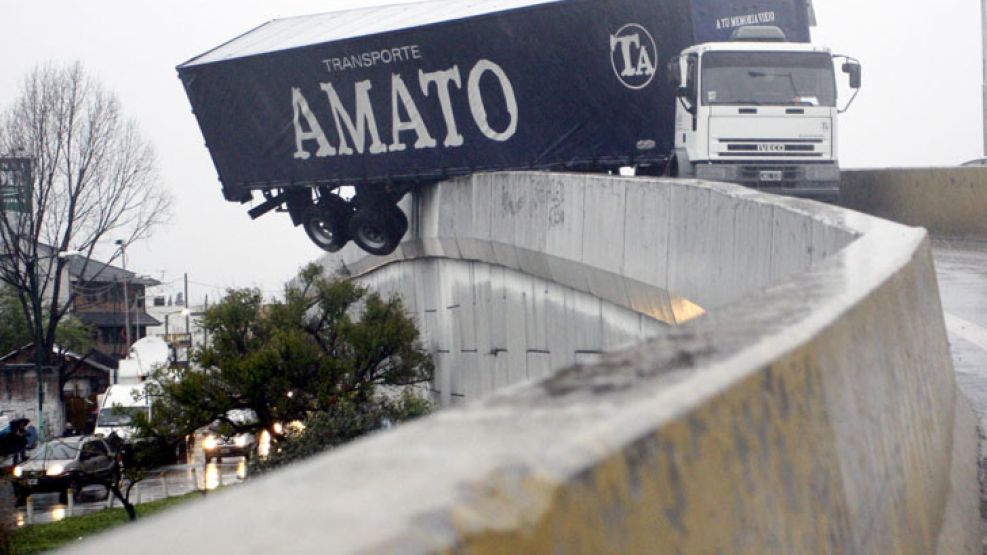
(768, 79)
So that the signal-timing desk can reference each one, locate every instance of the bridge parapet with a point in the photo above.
(667, 248)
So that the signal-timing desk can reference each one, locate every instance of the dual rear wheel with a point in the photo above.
(376, 228)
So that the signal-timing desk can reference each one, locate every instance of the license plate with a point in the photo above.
(32, 481)
(771, 175)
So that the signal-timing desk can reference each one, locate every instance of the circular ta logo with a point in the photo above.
(632, 55)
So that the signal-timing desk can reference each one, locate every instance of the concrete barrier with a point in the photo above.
(949, 202)
(814, 412)
(514, 275)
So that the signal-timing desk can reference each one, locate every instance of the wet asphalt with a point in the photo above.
(160, 483)
(961, 268)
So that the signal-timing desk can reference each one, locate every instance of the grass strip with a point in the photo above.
(44, 537)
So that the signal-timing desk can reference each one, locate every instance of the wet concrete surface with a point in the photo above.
(961, 268)
(160, 483)
(962, 271)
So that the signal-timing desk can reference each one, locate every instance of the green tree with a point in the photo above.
(330, 343)
(15, 329)
(341, 423)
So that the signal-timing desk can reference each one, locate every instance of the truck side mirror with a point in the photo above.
(853, 70)
(674, 72)
(687, 97)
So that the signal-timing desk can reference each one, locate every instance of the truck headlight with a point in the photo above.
(18, 472)
(209, 443)
(240, 440)
(55, 470)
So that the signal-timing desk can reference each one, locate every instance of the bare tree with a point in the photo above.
(91, 175)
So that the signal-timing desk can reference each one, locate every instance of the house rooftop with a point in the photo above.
(95, 271)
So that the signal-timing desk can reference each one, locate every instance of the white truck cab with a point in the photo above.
(118, 407)
(760, 112)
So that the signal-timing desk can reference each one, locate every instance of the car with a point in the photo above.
(217, 445)
(977, 162)
(65, 463)
(222, 439)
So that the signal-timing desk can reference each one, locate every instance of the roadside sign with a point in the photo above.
(178, 340)
(15, 185)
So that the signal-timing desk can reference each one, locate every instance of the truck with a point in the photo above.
(132, 391)
(334, 117)
(117, 408)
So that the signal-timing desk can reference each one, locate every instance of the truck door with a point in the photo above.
(692, 85)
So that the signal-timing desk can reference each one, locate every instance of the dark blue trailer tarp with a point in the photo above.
(573, 83)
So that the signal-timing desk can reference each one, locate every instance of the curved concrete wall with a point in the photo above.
(561, 266)
(950, 202)
(487, 326)
(813, 411)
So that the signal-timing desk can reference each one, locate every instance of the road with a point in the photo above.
(160, 483)
(962, 271)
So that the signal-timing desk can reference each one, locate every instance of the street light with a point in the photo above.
(39, 359)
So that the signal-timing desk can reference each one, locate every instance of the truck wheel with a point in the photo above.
(399, 222)
(326, 223)
(376, 229)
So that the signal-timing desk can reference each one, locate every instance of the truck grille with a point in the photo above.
(803, 148)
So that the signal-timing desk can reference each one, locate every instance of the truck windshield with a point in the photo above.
(768, 79)
(119, 416)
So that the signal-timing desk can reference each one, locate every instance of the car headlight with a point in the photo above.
(18, 472)
(209, 443)
(240, 440)
(55, 470)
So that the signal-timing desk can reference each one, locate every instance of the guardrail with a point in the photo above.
(811, 410)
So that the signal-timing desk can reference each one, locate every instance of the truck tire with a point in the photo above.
(327, 223)
(378, 229)
(399, 222)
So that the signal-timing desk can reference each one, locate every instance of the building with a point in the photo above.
(80, 378)
(110, 300)
(107, 299)
(179, 322)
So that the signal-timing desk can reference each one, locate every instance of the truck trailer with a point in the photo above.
(387, 99)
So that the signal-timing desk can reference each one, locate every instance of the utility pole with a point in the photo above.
(188, 328)
(126, 299)
(39, 355)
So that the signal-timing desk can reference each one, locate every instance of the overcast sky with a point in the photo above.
(920, 105)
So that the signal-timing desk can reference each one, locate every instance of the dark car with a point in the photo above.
(63, 464)
(222, 439)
